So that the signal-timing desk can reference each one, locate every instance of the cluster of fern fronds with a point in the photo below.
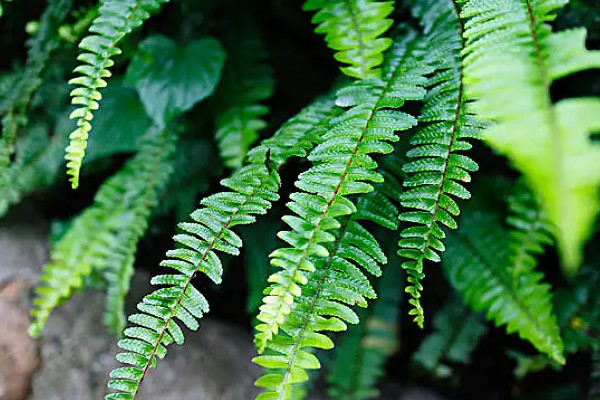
(386, 150)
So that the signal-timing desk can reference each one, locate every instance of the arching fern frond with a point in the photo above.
(512, 58)
(115, 20)
(342, 166)
(361, 355)
(437, 170)
(478, 263)
(336, 283)
(457, 333)
(353, 28)
(252, 190)
(247, 81)
(104, 237)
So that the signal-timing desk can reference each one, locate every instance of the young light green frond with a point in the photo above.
(14, 102)
(247, 81)
(336, 283)
(353, 28)
(457, 333)
(115, 20)
(361, 355)
(104, 237)
(436, 170)
(478, 263)
(512, 58)
(252, 190)
(342, 166)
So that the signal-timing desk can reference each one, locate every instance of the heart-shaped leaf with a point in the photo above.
(171, 78)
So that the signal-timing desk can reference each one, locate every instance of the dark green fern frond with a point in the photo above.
(531, 230)
(437, 170)
(512, 58)
(353, 29)
(252, 190)
(478, 263)
(342, 166)
(336, 283)
(247, 81)
(457, 333)
(14, 102)
(115, 20)
(104, 237)
(37, 162)
(361, 355)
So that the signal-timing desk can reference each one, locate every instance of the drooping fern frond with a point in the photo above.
(512, 58)
(479, 262)
(437, 170)
(336, 283)
(104, 237)
(15, 101)
(115, 20)
(353, 29)
(361, 355)
(252, 190)
(457, 333)
(342, 166)
(247, 81)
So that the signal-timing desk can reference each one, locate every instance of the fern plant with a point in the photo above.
(389, 153)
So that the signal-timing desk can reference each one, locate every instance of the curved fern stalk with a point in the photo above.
(15, 103)
(457, 333)
(342, 166)
(437, 170)
(360, 358)
(247, 81)
(479, 262)
(353, 28)
(531, 230)
(104, 237)
(512, 58)
(336, 283)
(115, 20)
(253, 189)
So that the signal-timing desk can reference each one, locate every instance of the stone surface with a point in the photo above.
(78, 353)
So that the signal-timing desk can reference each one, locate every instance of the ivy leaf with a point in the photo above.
(119, 123)
(172, 78)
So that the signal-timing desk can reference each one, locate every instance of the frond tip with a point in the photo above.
(116, 19)
(353, 28)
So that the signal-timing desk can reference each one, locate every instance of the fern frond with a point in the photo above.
(342, 166)
(336, 283)
(595, 376)
(531, 230)
(115, 20)
(437, 170)
(478, 263)
(104, 237)
(253, 189)
(512, 58)
(364, 349)
(36, 164)
(457, 333)
(353, 29)
(247, 81)
(14, 103)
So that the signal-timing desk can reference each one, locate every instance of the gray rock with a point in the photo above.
(77, 355)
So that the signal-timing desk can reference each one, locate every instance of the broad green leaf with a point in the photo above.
(172, 78)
